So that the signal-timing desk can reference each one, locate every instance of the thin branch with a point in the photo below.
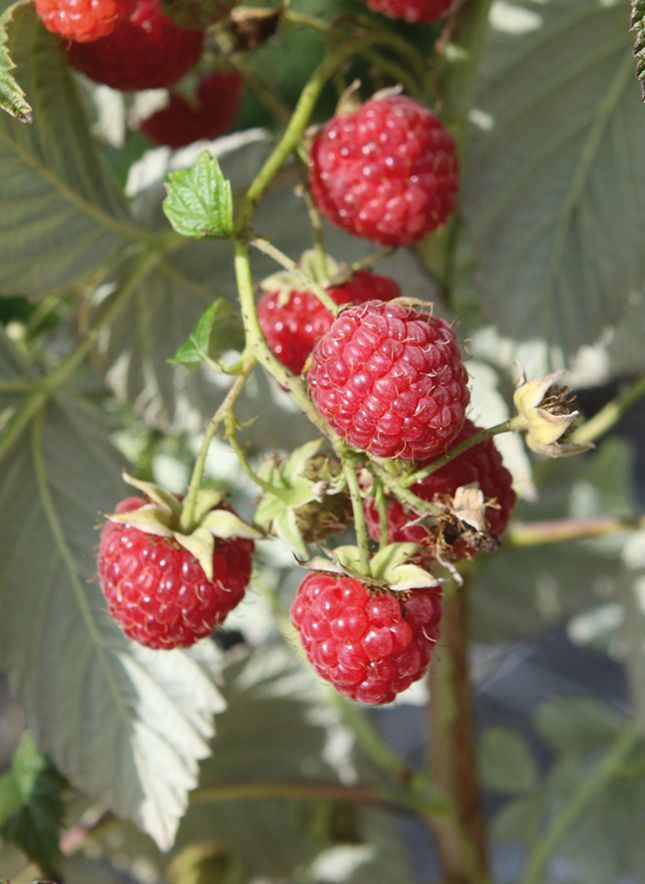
(559, 530)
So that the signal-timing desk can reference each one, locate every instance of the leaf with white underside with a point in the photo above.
(127, 725)
(555, 181)
(12, 96)
(56, 190)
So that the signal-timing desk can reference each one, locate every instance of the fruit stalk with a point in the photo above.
(461, 839)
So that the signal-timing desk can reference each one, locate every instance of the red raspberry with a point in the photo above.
(293, 327)
(389, 379)
(158, 592)
(412, 10)
(483, 464)
(370, 646)
(208, 115)
(388, 172)
(82, 20)
(145, 51)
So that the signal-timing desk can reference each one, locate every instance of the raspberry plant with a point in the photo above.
(301, 343)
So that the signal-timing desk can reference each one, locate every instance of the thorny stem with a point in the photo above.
(511, 425)
(579, 801)
(42, 390)
(267, 248)
(453, 756)
(234, 442)
(225, 406)
(381, 508)
(360, 528)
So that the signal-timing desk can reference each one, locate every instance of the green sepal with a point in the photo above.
(151, 519)
(390, 568)
(200, 544)
(207, 499)
(199, 201)
(164, 499)
(391, 556)
(405, 577)
(310, 266)
(225, 525)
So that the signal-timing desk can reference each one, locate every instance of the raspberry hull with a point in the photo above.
(369, 646)
(82, 20)
(412, 10)
(145, 51)
(292, 326)
(158, 592)
(482, 464)
(390, 380)
(210, 114)
(388, 172)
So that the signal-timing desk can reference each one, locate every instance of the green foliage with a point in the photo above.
(218, 330)
(554, 185)
(31, 807)
(199, 201)
(12, 96)
(507, 761)
(69, 212)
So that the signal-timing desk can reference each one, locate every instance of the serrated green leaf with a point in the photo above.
(199, 201)
(12, 96)
(507, 762)
(127, 725)
(63, 214)
(554, 186)
(218, 330)
(638, 27)
(31, 807)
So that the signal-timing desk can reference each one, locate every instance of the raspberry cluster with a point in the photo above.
(389, 379)
(292, 323)
(387, 172)
(482, 464)
(209, 114)
(146, 50)
(369, 645)
(158, 592)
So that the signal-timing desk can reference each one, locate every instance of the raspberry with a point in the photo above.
(482, 464)
(389, 379)
(412, 10)
(82, 20)
(145, 51)
(370, 646)
(293, 326)
(158, 592)
(388, 172)
(210, 114)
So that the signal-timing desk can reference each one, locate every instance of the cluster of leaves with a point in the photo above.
(549, 270)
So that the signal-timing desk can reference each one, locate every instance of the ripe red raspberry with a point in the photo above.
(158, 592)
(293, 326)
(387, 172)
(389, 379)
(369, 646)
(482, 464)
(412, 10)
(208, 115)
(145, 51)
(82, 20)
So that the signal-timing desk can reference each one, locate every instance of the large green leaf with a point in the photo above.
(61, 213)
(127, 725)
(554, 185)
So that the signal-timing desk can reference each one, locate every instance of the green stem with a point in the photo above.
(300, 119)
(43, 390)
(559, 530)
(234, 442)
(360, 527)
(302, 19)
(514, 424)
(267, 248)
(396, 72)
(186, 522)
(610, 414)
(578, 802)
(381, 508)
